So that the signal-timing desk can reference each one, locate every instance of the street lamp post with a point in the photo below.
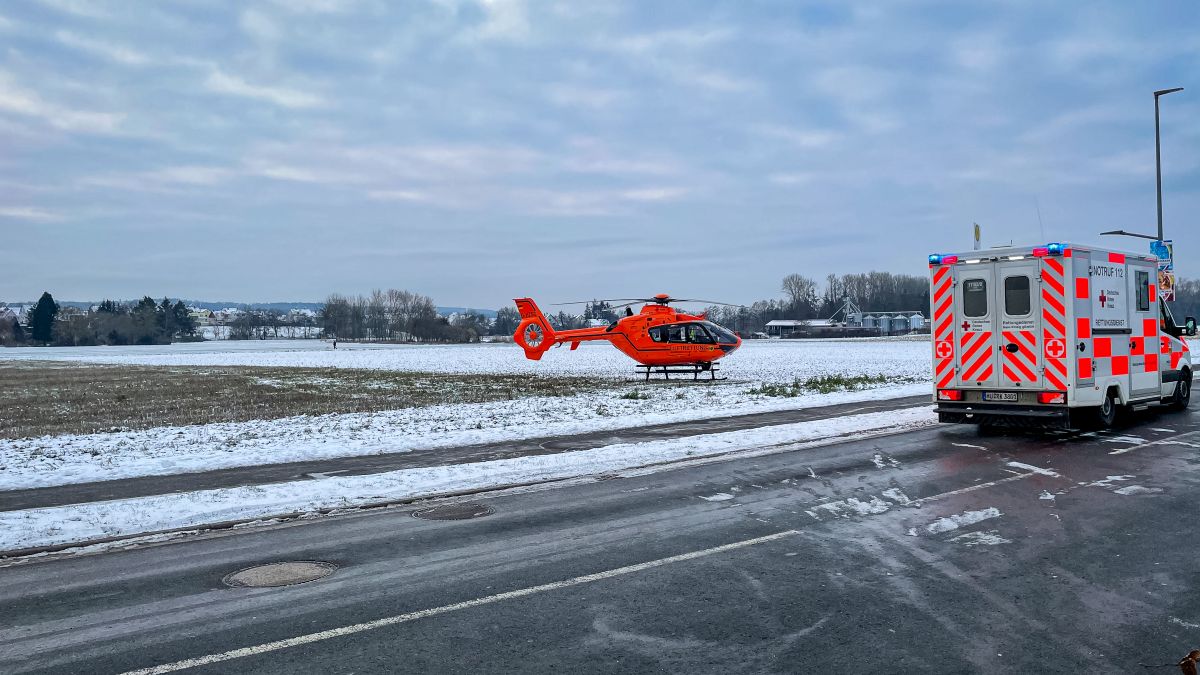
(1158, 173)
(1158, 154)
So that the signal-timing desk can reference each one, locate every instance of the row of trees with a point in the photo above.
(109, 323)
(398, 316)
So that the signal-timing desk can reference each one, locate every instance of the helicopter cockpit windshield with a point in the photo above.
(722, 335)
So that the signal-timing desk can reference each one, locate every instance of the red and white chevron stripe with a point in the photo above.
(1054, 323)
(943, 327)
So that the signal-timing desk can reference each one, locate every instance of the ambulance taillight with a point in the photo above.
(950, 395)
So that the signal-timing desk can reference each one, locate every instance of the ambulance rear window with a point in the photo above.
(1016, 296)
(975, 297)
(1142, 279)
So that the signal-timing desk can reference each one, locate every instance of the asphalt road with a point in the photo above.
(855, 557)
(13, 500)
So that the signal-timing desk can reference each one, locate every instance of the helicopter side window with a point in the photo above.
(658, 334)
(676, 333)
(698, 335)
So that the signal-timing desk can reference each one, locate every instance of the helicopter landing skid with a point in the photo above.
(693, 369)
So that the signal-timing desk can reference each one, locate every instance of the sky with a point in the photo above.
(481, 150)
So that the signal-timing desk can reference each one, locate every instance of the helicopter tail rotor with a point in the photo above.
(534, 333)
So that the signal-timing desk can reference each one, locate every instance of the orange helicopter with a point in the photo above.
(659, 337)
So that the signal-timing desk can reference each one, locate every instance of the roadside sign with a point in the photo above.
(1165, 252)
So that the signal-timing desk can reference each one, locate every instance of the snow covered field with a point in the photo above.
(57, 460)
(775, 361)
(126, 517)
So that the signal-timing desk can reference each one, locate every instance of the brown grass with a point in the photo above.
(56, 398)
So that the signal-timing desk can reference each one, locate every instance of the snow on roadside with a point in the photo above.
(125, 517)
(59, 460)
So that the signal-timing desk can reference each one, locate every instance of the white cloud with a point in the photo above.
(656, 194)
(673, 40)
(15, 99)
(575, 96)
(112, 52)
(503, 20)
(316, 6)
(83, 8)
(794, 178)
(192, 175)
(259, 26)
(223, 83)
(27, 213)
(803, 138)
(398, 195)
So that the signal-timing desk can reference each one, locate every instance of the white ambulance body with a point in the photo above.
(1056, 335)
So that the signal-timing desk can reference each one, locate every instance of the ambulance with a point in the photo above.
(1058, 335)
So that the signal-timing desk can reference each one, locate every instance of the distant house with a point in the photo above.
(783, 327)
(202, 317)
(7, 316)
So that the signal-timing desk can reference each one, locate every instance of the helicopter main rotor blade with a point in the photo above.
(587, 302)
(708, 302)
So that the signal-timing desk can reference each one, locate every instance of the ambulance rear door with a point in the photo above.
(1018, 304)
(975, 313)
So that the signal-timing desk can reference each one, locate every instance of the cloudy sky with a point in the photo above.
(481, 150)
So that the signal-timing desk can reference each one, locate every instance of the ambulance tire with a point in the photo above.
(1105, 415)
(1183, 392)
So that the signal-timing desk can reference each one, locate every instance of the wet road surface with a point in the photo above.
(937, 551)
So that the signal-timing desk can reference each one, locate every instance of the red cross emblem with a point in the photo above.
(1055, 348)
(944, 349)
(966, 326)
(1103, 298)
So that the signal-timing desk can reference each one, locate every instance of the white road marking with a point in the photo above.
(445, 609)
(325, 474)
(1174, 440)
(1035, 469)
(968, 445)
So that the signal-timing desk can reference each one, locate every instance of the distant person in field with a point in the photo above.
(335, 343)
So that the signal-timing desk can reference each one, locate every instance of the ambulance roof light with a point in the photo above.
(942, 259)
(1049, 249)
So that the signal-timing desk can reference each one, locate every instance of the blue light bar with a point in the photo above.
(935, 259)
(1055, 248)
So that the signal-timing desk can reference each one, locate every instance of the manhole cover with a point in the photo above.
(455, 512)
(280, 574)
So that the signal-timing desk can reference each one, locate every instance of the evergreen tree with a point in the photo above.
(182, 318)
(165, 319)
(18, 333)
(145, 322)
(41, 319)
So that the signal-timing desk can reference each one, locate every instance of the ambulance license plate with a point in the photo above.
(1005, 396)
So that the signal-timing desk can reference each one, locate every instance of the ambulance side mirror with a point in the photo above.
(1189, 326)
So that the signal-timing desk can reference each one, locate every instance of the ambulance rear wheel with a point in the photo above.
(1106, 415)
(1183, 392)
